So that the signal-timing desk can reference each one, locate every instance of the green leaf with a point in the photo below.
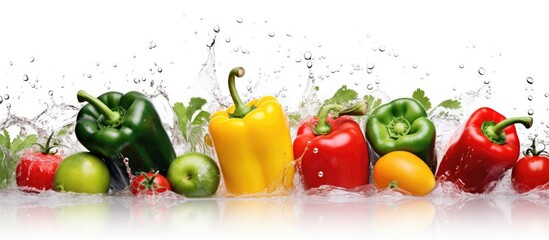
(419, 95)
(195, 104)
(21, 143)
(451, 104)
(294, 117)
(342, 96)
(182, 119)
(5, 139)
(373, 102)
(201, 118)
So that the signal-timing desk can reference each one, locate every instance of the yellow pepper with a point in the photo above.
(253, 144)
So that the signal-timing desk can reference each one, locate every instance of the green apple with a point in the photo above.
(82, 172)
(194, 175)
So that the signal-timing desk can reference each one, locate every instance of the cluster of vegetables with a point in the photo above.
(129, 148)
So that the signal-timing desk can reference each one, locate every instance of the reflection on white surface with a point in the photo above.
(324, 217)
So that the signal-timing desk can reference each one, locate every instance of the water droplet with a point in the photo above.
(427, 74)
(97, 64)
(414, 66)
(529, 80)
(377, 81)
(8, 106)
(216, 28)
(244, 51)
(297, 59)
(481, 71)
(1, 100)
(381, 48)
(315, 150)
(370, 86)
(236, 49)
(159, 70)
(31, 59)
(136, 80)
(351, 72)
(249, 88)
(396, 54)
(239, 20)
(370, 66)
(89, 75)
(33, 85)
(143, 79)
(114, 65)
(461, 66)
(50, 92)
(271, 34)
(134, 56)
(369, 71)
(486, 81)
(309, 64)
(227, 40)
(25, 77)
(530, 112)
(546, 94)
(11, 63)
(307, 55)
(308, 142)
(320, 174)
(530, 98)
(6, 96)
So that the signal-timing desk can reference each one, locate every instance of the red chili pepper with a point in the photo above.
(481, 150)
(333, 151)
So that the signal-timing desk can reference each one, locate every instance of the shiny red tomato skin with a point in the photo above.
(139, 184)
(531, 172)
(36, 170)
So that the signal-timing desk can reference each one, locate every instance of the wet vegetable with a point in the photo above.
(149, 184)
(532, 170)
(253, 143)
(404, 171)
(481, 150)
(332, 150)
(36, 170)
(116, 126)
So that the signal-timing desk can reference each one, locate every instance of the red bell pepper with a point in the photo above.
(332, 150)
(481, 150)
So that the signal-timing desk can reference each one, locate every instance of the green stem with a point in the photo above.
(358, 109)
(322, 126)
(495, 133)
(111, 117)
(241, 109)
(398, 127)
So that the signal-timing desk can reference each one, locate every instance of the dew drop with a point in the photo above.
(309, 64)
(315, 150)
(381, 48)
(159, 70)
(320, 174)
(271, 34)
(297, 59)
(530, 98)
(216, 28)
(529, 80)
(227, 40)
(32, 59)
(50, 92)
(308, 142)
(25, 77)
(239, 20)
(370, 86)
(307, 55)
(530, 112)
(481, 71)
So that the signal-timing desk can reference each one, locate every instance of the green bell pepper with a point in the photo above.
(402, 125)
(117, 126)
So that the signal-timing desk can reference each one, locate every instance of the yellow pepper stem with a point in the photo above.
(241, 109)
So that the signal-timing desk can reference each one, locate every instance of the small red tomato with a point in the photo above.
(149, 183)
(36, 170)
(531, 171)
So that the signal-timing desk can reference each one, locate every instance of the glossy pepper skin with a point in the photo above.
(253, 144)
(117, 126)
(481, 150)
(402, 124)
(332, 152)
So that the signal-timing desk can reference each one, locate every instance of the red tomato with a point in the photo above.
(36, 170)
(149, 183)
(531, 172)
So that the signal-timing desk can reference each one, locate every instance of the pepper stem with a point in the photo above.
(322, 126)
(358, 109)
(398, 127)
(495, 133)
(241, 109)
(110, 117)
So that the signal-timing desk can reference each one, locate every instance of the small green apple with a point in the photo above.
(194, 175)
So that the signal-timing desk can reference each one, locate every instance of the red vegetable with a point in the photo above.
(481, 150)
(531, 171)
(333, 151)
(149, 183)
(36, 170)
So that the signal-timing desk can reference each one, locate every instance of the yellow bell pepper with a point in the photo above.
(253, 144)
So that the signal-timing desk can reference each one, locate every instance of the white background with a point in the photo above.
(66, 39)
